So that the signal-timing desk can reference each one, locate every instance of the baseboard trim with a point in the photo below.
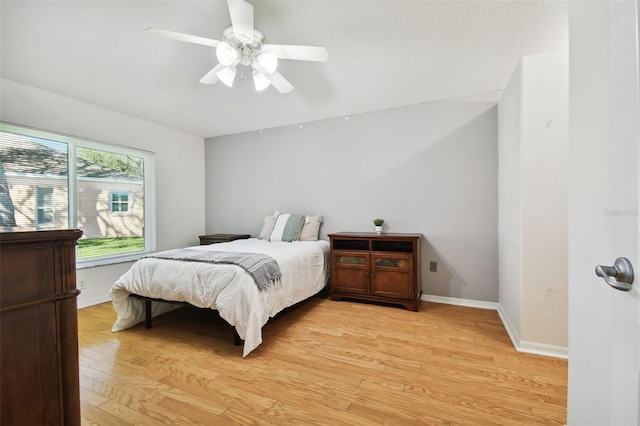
(460, 302)
(508, 325)
(533, 348)
(94, 301)
(519, 345)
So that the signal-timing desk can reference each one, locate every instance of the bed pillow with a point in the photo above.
(311, 228)
(269, 221)
(288, 227)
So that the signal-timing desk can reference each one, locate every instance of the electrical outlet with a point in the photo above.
(433, 266)
(81, 285)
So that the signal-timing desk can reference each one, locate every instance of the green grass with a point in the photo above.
(104, 246)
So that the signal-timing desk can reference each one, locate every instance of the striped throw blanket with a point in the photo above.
(264, 269)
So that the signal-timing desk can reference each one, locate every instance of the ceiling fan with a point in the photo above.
(244, 45)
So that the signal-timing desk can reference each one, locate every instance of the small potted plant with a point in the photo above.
(378, 223)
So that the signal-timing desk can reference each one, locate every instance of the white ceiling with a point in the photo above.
(382, 54)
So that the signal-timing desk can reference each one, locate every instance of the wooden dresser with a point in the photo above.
(376, 267)
(39, 379)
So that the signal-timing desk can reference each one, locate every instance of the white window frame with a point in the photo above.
(73, 143)
(111, 202)
(40, 208)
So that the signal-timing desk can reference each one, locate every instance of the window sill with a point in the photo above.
(85, 263)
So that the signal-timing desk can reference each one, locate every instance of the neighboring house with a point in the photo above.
(110, 203)
(7, 211)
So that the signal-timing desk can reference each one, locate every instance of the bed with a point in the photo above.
(227, 288)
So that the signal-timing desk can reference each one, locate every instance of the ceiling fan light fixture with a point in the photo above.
(227, 75)
(242, 44)
(226, 54)
(268, 61)
(260, 81)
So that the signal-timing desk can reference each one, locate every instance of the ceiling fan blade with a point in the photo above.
(183, 37)
(211, 77)
(279, 82)
(300, 53)
(241, 14)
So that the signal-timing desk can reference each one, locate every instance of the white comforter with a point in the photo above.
(227, 288)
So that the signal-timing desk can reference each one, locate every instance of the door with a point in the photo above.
(392, 275)
(350, 272)
(604, 332)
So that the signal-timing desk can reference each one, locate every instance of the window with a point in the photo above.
(119, 202)
(52, 181)
(44, 206)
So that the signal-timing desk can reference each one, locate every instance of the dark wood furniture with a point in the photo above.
(221, 238)
(39, 379)
(376, 267)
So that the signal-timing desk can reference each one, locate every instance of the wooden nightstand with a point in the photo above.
(221, 238)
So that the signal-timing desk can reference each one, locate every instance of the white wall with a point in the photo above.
(533, 118)
(179, 164)
(510, 202)
(429, 168)
(544, 197)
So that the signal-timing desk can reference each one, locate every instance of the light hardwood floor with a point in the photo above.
(323, 363)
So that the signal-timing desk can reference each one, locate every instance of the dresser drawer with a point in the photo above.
(26, 274)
